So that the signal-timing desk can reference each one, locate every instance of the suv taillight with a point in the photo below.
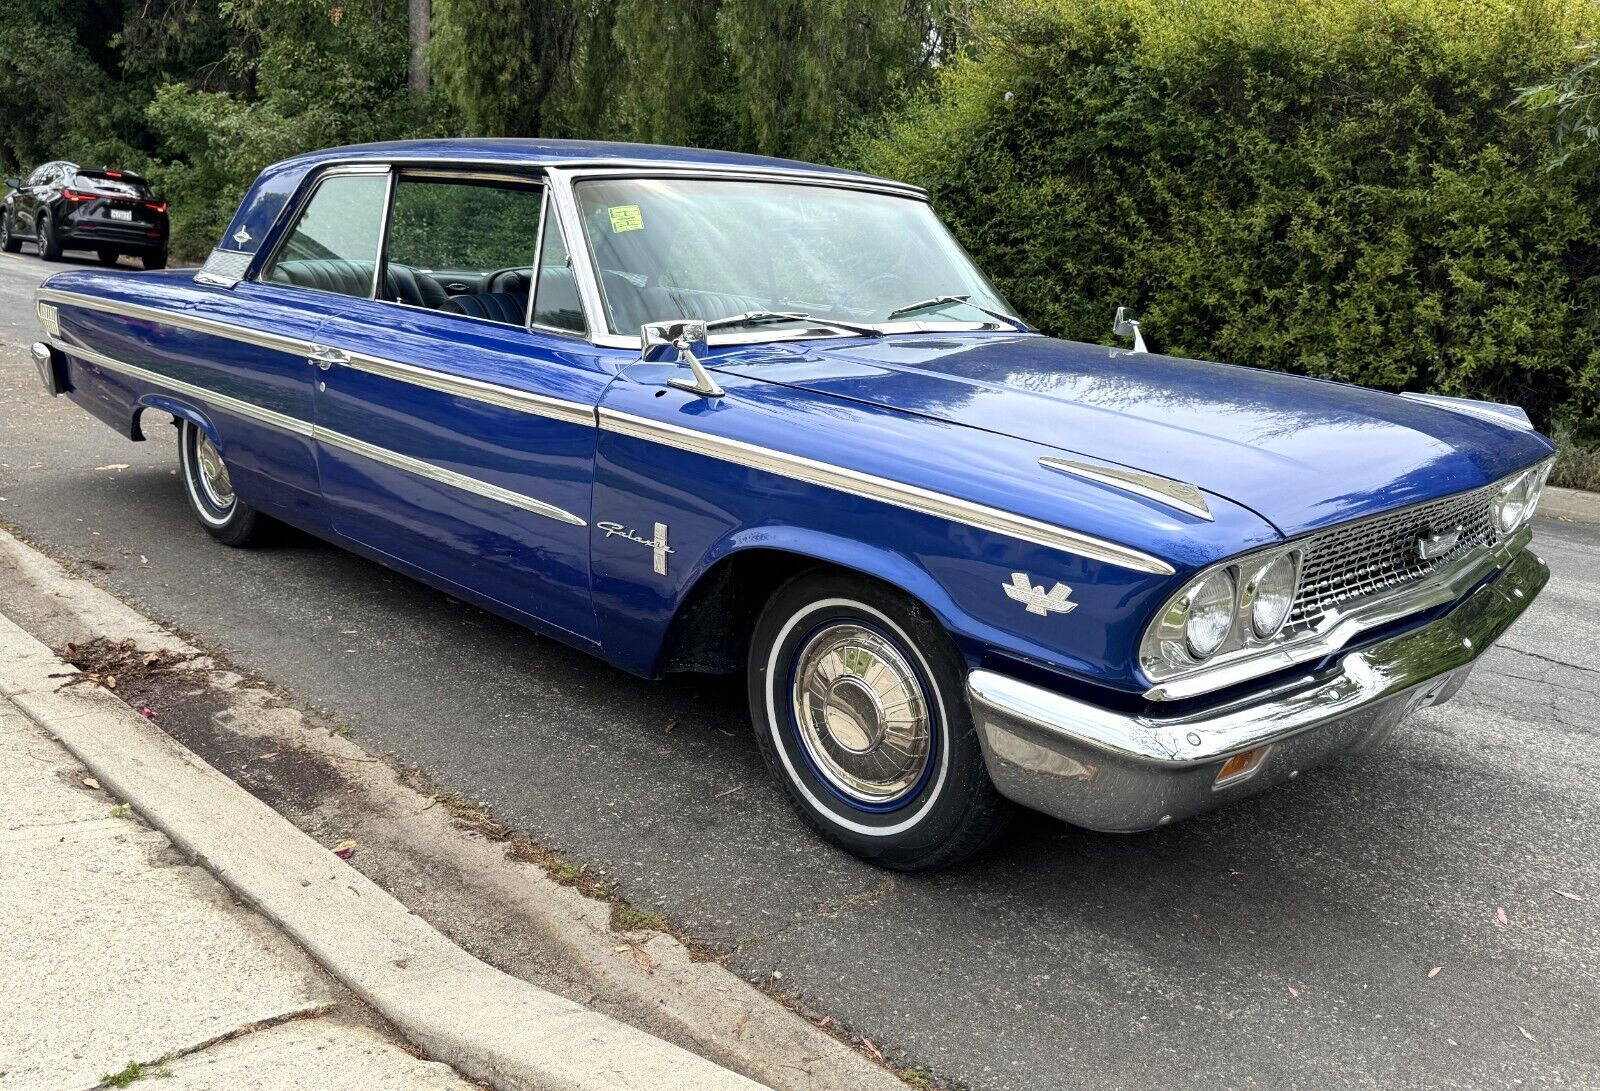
(77, 195)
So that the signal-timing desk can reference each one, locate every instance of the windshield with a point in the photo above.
(707, 249)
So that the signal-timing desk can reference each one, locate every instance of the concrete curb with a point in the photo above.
(1570, 505)
(487, 1024)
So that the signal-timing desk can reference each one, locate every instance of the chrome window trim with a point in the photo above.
(538, 253)
(597, 315)
(1443, 585)
(1163, 490)
(308, 430)
(381, 259)
(291, 216)
(883, 490)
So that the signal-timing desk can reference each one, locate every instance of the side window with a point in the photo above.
(334, 244)
(463, 245)
(555, 299)
(37, 177)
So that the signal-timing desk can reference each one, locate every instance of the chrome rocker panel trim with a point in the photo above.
(1117, 772)
(1435, 589)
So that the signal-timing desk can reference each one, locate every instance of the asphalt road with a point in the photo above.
(1286, 942)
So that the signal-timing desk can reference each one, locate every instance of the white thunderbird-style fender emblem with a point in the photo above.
(1036, 599)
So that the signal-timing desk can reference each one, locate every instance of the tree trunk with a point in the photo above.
(419, 12)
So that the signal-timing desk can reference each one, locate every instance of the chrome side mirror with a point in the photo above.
(685, 335)
(1124, 326)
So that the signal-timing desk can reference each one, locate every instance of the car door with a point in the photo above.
(453, 438)
(25, 222)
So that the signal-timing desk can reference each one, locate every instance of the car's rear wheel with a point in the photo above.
(209, 487)
(8, 242)
(49, 248)
(158, 260)
(858, 699)
(107, 257)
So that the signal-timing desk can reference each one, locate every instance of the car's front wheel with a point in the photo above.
(8, 242)
(209, 487)
(158, 260)
(49, 247)
(858, 698)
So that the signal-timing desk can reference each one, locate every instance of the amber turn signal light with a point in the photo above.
(1240, 766)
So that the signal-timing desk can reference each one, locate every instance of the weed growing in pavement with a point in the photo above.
(135, 1072)
(625, 918)
(121, 810)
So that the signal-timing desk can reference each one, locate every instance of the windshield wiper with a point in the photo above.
(940, 300)
(751, 318)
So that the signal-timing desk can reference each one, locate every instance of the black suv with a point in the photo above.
(63, 206)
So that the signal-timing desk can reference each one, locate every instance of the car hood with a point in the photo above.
(1301, 453)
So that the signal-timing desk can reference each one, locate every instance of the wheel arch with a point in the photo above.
(180, 411)
(710, 629)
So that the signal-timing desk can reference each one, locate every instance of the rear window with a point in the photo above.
(110, 181)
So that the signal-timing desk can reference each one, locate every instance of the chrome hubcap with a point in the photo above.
(213, 473)
(862, 713)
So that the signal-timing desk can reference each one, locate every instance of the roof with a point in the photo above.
(517, 151)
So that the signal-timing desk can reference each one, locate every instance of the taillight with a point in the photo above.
(77, 195)
(156, 206)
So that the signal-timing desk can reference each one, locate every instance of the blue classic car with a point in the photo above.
(696, 411)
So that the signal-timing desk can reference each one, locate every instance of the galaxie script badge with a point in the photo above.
(658, 544)
(1036, 599)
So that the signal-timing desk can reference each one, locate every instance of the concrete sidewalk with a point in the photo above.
(115, 952)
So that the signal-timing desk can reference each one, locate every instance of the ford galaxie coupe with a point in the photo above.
(709, 412)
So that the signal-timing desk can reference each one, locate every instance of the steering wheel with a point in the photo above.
(847, 301)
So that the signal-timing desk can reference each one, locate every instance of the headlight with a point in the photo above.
(1272, 590)
(1210, 609)
(1518, 498)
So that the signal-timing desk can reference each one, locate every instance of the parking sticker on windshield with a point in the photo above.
(626, 218)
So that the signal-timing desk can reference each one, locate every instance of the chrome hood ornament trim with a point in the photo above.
(1163, 490)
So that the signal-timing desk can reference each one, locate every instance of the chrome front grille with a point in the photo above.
(1365, 558)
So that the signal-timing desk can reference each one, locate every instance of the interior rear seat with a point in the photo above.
(511, 307)
(402, 284)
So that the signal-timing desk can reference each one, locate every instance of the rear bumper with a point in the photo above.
(1118, 772)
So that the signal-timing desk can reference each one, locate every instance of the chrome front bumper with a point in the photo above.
(1121, 772)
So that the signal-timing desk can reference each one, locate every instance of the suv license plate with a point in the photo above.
(122, 214)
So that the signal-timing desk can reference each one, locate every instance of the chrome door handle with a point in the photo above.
(325, 357)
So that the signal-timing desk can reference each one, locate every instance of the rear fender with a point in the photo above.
(180, 409)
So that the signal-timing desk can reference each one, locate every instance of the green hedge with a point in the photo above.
(1343, 189)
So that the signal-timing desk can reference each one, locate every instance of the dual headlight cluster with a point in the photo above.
(1244, 604)
(1518, 497)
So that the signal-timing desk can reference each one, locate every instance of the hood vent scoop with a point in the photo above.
(1174, 494)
